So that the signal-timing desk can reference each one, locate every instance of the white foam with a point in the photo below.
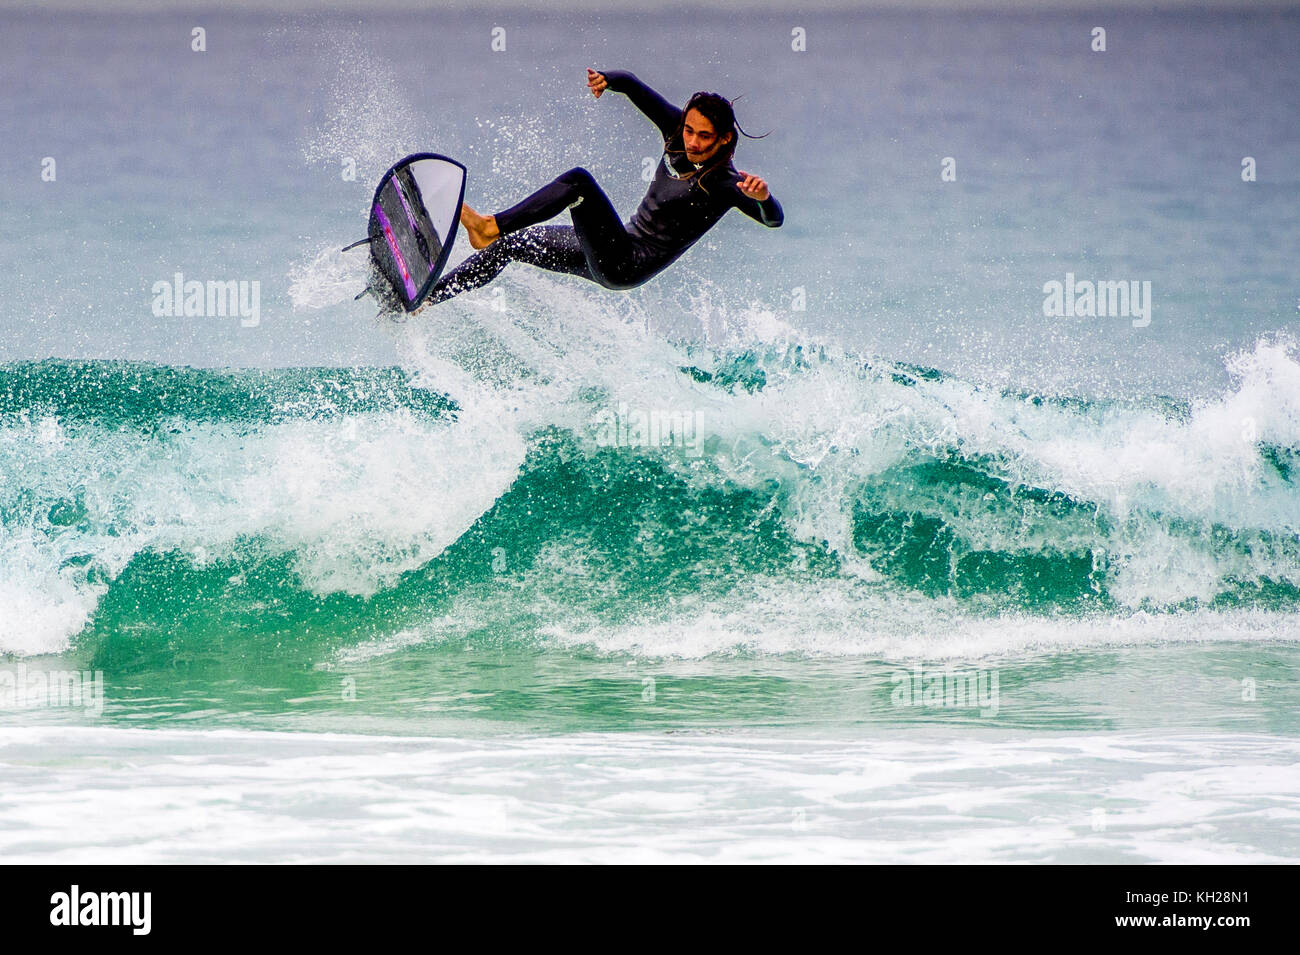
(357, 501)
(158, 796)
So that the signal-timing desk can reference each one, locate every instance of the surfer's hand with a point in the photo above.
(752, 186)
(596, 82)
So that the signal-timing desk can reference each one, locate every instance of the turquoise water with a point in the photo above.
(914, 573)
(156, 514)
(842, 609)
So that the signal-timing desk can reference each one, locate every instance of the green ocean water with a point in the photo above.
(163, 526)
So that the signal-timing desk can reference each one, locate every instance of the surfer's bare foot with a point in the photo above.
(482, 230)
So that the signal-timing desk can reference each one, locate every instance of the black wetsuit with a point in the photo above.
(599, 246)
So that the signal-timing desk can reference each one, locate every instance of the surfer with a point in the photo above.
(693, 186)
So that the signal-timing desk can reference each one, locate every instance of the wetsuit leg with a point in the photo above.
(553, 247)
(612, 256)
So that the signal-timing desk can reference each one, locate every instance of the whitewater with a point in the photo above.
(872, 490)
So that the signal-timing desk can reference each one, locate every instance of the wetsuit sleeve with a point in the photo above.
(661, 112)
(768, 212)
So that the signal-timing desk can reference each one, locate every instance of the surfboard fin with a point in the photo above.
(348, 248)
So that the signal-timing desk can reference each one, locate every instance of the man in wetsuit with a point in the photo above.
(693, 187)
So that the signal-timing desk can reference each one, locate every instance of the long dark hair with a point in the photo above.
(719, 111)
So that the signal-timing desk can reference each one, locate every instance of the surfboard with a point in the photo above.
(413, 220)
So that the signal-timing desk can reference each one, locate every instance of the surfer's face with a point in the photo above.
(700, 138)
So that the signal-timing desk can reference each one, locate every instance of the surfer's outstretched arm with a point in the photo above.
(661, 112)
(767, 211)
(752, 197)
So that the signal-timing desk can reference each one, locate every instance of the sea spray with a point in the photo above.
(875, 496)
